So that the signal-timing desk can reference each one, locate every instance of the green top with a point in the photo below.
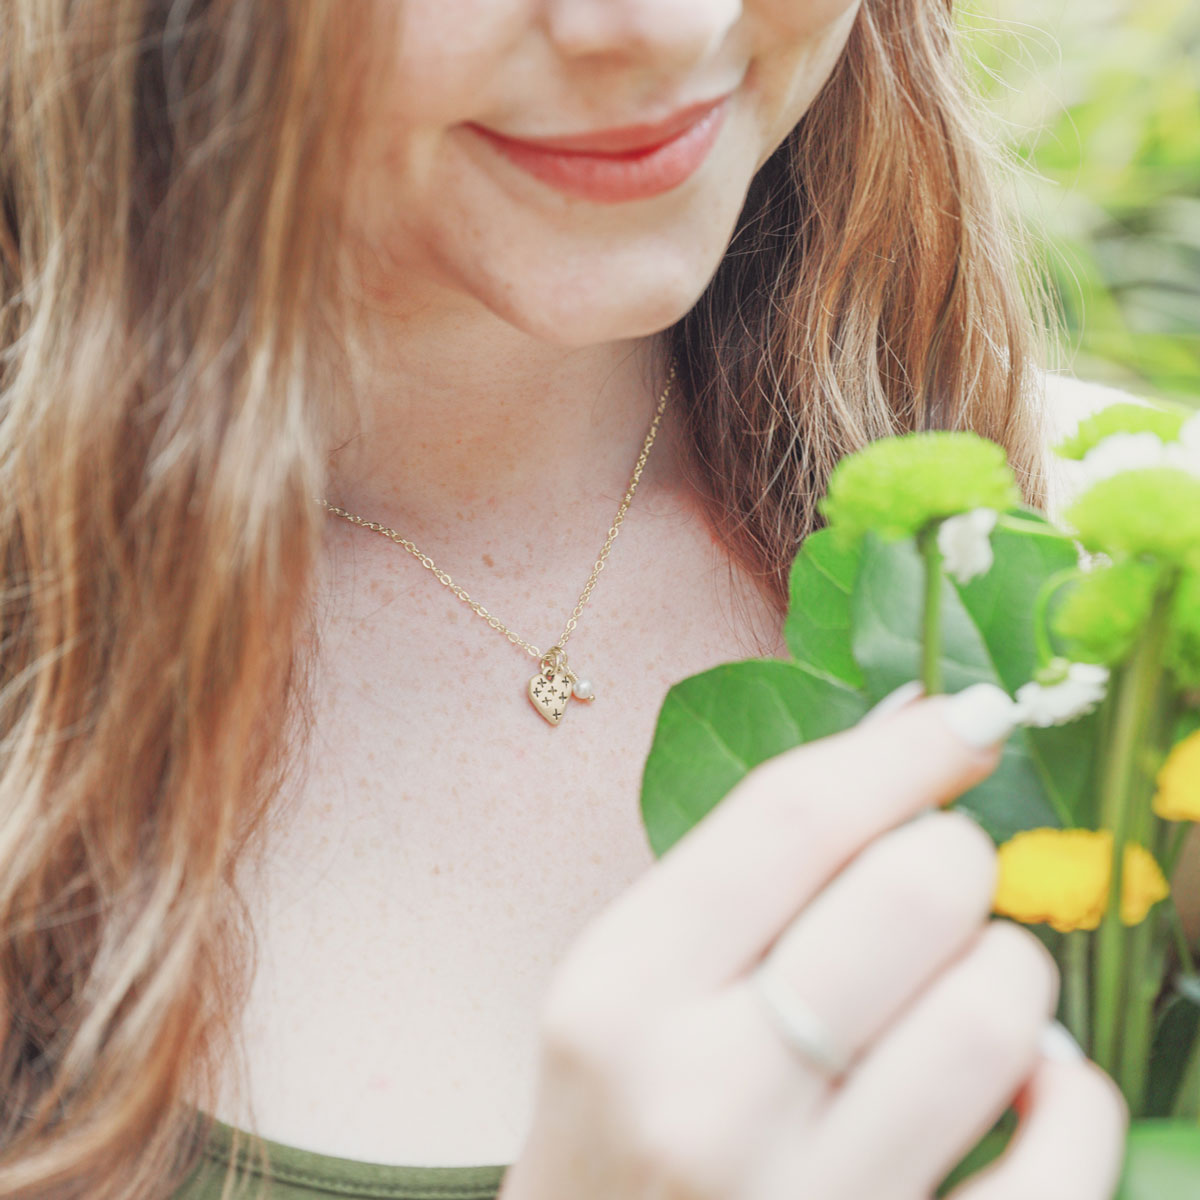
(297, 1174)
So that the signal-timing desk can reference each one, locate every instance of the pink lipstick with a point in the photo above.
(612, 166)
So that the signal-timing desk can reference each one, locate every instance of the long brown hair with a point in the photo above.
(164, 255)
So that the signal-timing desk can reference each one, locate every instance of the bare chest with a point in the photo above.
(441, 849)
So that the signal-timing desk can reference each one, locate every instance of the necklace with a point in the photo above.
(555, 684)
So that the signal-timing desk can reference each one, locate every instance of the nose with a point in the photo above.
(686, 31)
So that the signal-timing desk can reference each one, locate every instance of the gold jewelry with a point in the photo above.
(555, 683)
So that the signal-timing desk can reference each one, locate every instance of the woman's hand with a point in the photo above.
(662, 1074)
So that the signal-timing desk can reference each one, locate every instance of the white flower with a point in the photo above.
(964, 545)
(1079, 691)
(1123, 452)
(1189, 433)
(1185, 451)
(1135, 451)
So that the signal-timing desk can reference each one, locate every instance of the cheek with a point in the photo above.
(433, 65)
(800, 20)
(806, 42)
(441, 58)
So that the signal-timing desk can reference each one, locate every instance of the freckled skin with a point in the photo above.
(444, 845)
(433, 203)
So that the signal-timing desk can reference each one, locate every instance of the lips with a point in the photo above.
(617, 165)
(629, 139)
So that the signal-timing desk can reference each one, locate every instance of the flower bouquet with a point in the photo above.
(930, 567)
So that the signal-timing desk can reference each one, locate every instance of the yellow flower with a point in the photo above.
(1178, 795)
(1061, 877)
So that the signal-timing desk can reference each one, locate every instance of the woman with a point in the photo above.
(285, 841)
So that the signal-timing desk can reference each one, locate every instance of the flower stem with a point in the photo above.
(1186, 962)
(1075, 985)
(1187, 1098)
(1147, 953)
(1147, 943)
(1179, 834)
(1171, 838)
(1020, 524)
(1119, 792)
(1041, 630)
(931, 640)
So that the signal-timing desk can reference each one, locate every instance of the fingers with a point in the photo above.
(906, 693)
(1069, 1145)
(957, 1057)
(905, 908)
(908, 904)
(709, 909)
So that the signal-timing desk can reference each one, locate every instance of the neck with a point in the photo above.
(466, 430)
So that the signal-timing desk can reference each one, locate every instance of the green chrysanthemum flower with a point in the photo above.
(1154, 512)
(1164, 420)
(1182, 653)
(895, 486)
(1105, 609)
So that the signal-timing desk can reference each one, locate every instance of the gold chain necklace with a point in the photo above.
(555, 683)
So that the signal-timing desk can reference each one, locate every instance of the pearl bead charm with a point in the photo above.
(582, 689)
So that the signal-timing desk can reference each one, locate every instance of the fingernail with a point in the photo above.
(1057, 1043)
(904, 694)
(982, 714)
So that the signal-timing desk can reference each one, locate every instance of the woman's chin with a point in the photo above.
(575, 316)
(590, 329)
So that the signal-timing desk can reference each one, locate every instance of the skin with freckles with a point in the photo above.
(444, 846)
(507, 332)
(445, 212)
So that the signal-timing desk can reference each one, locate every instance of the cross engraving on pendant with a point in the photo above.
(549, 691)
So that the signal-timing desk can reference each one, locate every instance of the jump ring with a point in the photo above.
(798, 1024)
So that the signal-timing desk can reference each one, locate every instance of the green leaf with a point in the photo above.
(1187, 1093)
(1187, 723)
(989, 1147)
(1064, 757)
(886, 619)
(1174, 1038)
(1011, 798)
(715, 726)
(817, 629)
(886, 613)
(1001, 604)
(1162, 1161)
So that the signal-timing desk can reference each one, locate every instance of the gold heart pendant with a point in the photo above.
(549, 692)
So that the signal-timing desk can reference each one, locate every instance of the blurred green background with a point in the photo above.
(1100, 101)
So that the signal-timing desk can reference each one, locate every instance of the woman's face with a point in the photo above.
(574, 166)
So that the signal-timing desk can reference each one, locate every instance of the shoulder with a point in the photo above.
(1065, 402)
